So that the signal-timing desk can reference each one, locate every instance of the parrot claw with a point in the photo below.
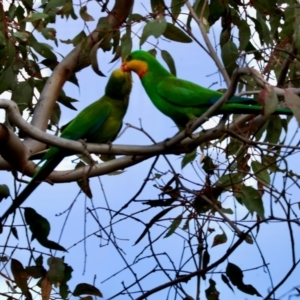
(188, 128)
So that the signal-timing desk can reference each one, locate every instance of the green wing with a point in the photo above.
(184, 93)
(86, 122)
(188, 94)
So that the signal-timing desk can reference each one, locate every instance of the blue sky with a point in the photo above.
(191, 64)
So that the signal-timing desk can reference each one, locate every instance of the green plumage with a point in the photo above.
(100, 122)
(182, 100)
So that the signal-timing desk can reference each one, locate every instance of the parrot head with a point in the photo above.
(138, 62)
(119, 84)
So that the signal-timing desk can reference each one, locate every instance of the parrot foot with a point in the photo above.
(188, 128)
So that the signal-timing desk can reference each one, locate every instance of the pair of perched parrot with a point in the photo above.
(101, 121)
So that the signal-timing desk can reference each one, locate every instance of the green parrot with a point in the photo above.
(182, 100)
(100, 122)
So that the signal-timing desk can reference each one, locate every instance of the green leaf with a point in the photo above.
(229, 54)
(54, 3)
(176, 222)
(84, 15)
(49, 33)
(41, 48)
(22, 94)
(158, 6)
(274, 129)
(229, 180)
(4, 192)
(154, 27)
(216, 8)
(7, 80)
(244, 34)
(176, 8)
(126, 44)
(175, 34)
(220, 238)
(86, 289)
(251, 198)
(35, 17)
(94, 60)
(261, 173)
(189, 157)
(169, 61)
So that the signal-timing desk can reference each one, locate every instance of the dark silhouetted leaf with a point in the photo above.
(220, 238)
(152, 222)
(4, 192)
(14, 232)
(226, 281)
(56, 270)
(86, 289)
(94, 61)
(40, 229)
(211, 292)
(20, 277)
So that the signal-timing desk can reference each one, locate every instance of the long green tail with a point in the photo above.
(36, 180)
(236, 108)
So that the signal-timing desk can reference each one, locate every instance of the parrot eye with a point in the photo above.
(129, 57)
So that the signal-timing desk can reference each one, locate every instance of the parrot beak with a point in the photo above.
(124, 67)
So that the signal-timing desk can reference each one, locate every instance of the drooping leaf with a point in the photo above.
(249, 197)
(261, 173)
(176, 222)
(169, 61)
(152, 222)
(220, 238)
(244, 34)
(84, 183)
(268, 99)
(94, 60)
(188, 158)
(226, 281)
(175, 34)
(229, 54)
(208, 165)
(176, 6)
(84, 14)
(293, 103)
(216, 9)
